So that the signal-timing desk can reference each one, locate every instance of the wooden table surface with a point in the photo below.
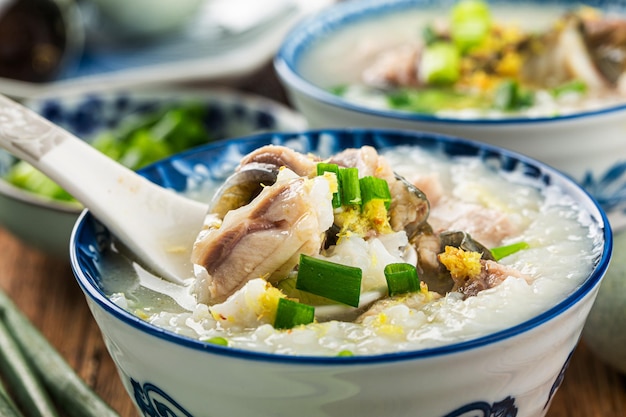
(45, 289)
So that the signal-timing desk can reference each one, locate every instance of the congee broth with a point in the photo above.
(475, 60)
(348, 256)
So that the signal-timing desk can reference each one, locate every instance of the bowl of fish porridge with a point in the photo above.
(542, 78)
(354, 272)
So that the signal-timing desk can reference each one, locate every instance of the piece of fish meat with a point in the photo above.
(407, 210)
(264, 238)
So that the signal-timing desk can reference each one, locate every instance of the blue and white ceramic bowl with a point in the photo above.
(588, 145)
(45, 224)
(513, 372)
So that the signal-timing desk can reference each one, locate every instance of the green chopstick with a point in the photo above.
(29, 391)
(63, 384)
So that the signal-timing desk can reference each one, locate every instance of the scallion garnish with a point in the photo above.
(470, 23)
(217, 340)
(339, 90)
(509, 96)
(576, 87)
(401, 278)
(345, 352)
(338, 282)
(349, 186)
(440, 64)
(288, 287)
(504, 251)
(291, 313)
(323, 167)
(374, 188)
(429, 35)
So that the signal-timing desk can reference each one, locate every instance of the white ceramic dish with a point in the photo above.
(46, 224)
(588, 146)
(140, 20)
(213, 48)
(513, 372)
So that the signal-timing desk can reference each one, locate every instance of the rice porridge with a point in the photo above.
(321, 258)
(475, 60)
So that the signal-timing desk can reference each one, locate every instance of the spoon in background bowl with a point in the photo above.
(156, 224)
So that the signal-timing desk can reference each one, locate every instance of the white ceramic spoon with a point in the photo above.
(157, 224)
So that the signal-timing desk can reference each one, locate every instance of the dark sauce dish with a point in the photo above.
(39, 39)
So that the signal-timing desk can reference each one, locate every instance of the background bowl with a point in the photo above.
(145, 19)
(514, 372)
(587, 145)
(46, 224)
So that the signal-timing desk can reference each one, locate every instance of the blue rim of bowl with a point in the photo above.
(315, 28)
(92, 290)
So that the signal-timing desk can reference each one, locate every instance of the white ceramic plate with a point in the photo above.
(221, 44)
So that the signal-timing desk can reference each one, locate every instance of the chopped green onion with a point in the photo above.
(401, 278)
(374, 188)
(338, 282)
(431, 100)
(349, 186)
(470, 22)
(429, 35)
(504, 251)
(217, 340)
(510, 97)
(339, 90)
(292, 313)
(440, 64)
(323, 167)
(575, 86)
(288, 287)
(345, 353)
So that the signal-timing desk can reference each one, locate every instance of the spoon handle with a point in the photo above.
(26, 134)
(83, 171)
(148, 218)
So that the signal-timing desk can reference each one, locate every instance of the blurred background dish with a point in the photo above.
(135, 128)
(220, 43)
(324, 55)
(39, 39)
(144, 19)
